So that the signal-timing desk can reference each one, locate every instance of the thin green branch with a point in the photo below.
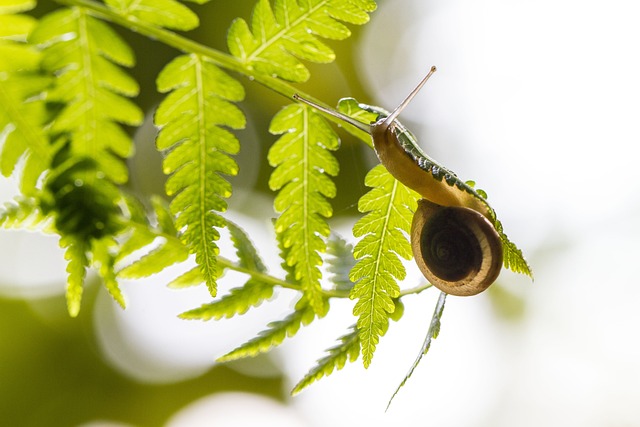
(416, 290)
(271, 280)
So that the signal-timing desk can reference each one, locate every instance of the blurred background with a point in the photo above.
(538, 102)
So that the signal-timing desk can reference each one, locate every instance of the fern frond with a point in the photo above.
(340, 261)
(163, 13)
(432, 333)
(76, 255)
(383, 232)
(84, 54)
(302, 161)
(355, 110)
(237, 301)
(245, 250)
(168, 248)
(22, 113)
(192, 277)
(14, 28)
(275, 334)
(104, 260)
(23, 212)
(347, 350)
(240, 299)
(513, 258)
(290, 30)
(198, 151)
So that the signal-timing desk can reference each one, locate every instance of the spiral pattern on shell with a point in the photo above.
(457, 249)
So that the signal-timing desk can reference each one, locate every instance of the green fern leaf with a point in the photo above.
(238, 301)
(76, 255)
(347, 351)
(168, 248)
(81, 51)
(192, 277)
(289, 31)
(14, 28)
(432, 333)
(163, 13)
(198, 151)
(302, 161)
(23, 213)
(22, 112)
(384, 230)
(275, 334)
(512, 256)
(241, 299)
(247, 254)
(354, 109)
(340, 261)
(104, 261)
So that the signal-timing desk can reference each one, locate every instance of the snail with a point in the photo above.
(453, 235)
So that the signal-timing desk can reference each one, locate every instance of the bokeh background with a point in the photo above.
(538, 102)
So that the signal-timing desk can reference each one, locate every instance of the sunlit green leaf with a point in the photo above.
(383, 232)
(347, 350)
(303, 161)
(198, 151)
(163, 13)
(289, 31)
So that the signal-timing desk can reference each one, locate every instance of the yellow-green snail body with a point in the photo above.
(453, 235)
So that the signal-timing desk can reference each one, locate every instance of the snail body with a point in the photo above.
(453, 235)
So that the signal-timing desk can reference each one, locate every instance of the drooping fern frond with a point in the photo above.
(76, 256)
(198, 151)
(432, 333)
(22, 113)
(240, 299)
(302, 161)
(280, 35)
(163, 13)
(383, 232)
(276, 333)
(85, 55)
(347, 350)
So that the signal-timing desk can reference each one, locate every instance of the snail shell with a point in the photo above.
(456, 248)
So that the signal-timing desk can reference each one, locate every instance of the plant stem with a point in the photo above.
(271, 280)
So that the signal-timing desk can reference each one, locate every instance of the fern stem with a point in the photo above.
(416, 290)
(271, 280)
(186, 45)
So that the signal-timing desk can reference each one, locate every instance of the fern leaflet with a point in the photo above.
(163, 13)
(340, 262)
(103, 259)
(240, 299)
(75, 254)
(198, 151)
(512, 256)
(347, 350)
(22, 113)
(168, 250)
(81, 51)
(302, 161)
(279, 35)
(275, 334)
(23, 212)
(384, 230)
